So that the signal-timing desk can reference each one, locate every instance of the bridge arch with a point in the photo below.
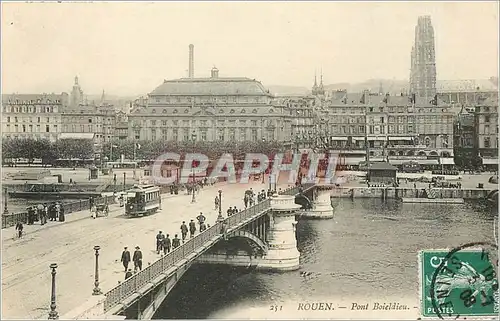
(304, 201)
(493, 195)
(245, 234)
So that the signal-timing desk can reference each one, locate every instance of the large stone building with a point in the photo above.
(486, 123)
(208, 109)
(398, 128)
(465, 139)
(423, 60)
(467, 92)
(35, 116)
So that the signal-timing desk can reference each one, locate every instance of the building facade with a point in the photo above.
(81, 116)
(465, 140)
(208, 109)
(423, 60)
(486, 124)
(36, 116)
(467, 92)
(394, 128)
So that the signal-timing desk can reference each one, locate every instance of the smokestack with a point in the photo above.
(191, 61)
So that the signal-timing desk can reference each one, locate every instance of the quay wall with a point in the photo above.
(407, 192)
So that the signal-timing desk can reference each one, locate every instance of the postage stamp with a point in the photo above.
(462, 282)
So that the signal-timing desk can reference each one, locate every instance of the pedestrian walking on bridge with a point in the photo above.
(159, 242)
(176, 242)
(184, 230)
(19, 229)
(216, 202)
(167, 244)
(192, 228)
(125, 258)
(137, 259)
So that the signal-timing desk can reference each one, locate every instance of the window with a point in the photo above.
(220, 134)
(90, 120)
(164, 134)
(254, 135)
(232, 135)
(487, 142)
(243, 134)
(153, 111)
(8, 119)
(47, 128)
(203, 135)
(410, 129)
(382, 129)
(24, 128)
(382, 120)
(372, 129)
(254, 122)
(361, 129)
(391, 129)
(37, 128)
(486, 129)
(153, 134)
(15, 119)
(486, 119)
(185, 134)
(153, 123)
(175, 135)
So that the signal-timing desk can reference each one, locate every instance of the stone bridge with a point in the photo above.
(262, 236)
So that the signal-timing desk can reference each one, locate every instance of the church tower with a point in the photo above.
(315, 86)
(76, 97)
(321, 88)
(423, 60)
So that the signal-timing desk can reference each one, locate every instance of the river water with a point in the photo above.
(366, 254)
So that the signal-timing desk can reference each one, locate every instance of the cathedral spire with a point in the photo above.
(102, 97)
(321, 79)
(315, 80)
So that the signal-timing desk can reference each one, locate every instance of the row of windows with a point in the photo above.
(231, 135)
(203, 123)
(354, 110)
(29, 109)
(220, 111)
(26, 119)
(32, 101)
(84, 119)
(29, 128)
(391, 129)
(234, 99)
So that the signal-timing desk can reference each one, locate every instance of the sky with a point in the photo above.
(128, 48)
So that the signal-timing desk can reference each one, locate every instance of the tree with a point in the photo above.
(75, 148)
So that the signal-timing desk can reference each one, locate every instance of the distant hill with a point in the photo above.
(288, 90)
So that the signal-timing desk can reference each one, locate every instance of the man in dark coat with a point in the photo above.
(137, 258)
(184, 230)
(192, 228)
(125, 258)
(159, 242)
(176, 242)
(19, 229)
(61, 214)
(167, 245)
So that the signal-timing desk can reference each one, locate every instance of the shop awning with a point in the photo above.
(428, 161)
(377, 138)
(398, 161)
(490, 161)
(358, 138)
(338, 138)
(401, 138)
(76, 136)
(447, 161)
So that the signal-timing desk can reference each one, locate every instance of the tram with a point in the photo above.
(142, 200)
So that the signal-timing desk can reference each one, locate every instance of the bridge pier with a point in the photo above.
(282, 253)
(322, 203)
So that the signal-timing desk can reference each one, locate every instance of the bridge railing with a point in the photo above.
(133, 284)
(12, 219)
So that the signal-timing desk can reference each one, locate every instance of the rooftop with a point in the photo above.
(469, 85)
(382, 166)
(222, 86)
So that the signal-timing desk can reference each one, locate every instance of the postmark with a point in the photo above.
(464, 281)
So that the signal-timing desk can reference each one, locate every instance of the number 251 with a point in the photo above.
(276, 308)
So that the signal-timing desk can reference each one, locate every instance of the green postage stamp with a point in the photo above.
(462, 282)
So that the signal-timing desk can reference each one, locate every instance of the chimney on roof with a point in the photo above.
(214, 73)
(191, 61)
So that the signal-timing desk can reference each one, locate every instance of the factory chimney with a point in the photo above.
(191, 61)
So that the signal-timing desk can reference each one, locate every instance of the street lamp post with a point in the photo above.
(97, 290)
(220, 218)
(5, 196)
(193, 200)
(53, 315)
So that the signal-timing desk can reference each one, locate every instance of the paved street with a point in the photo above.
(25, 267)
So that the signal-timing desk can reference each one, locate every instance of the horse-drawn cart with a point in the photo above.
(102, 209)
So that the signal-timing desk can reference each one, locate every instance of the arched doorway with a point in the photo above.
(401, 153)
(421, 153)
(410, 153)
(392, 153)
(433, 153)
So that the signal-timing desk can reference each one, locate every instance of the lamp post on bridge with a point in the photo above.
(220, 218)
(53, 315)
(193, 200)
(264, 174)
(97, 290)
(5, 196)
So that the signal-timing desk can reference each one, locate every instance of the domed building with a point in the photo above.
(208, 109)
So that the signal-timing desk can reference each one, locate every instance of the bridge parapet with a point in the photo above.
(282, 253)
